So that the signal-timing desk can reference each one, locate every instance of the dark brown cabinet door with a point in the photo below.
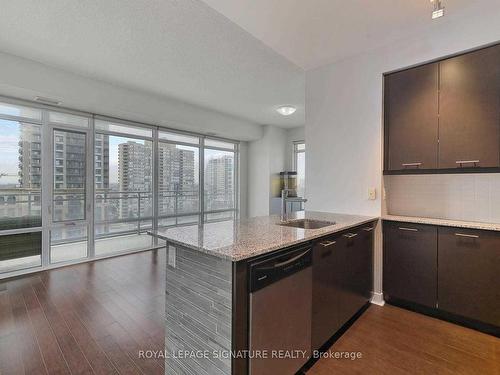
(411, 118)
(410, 262)
(469, 110)
(342, 280)
(325, 320)
(469, 274)
(354, 271)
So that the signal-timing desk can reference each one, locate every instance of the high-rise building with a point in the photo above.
(101, 162)
(219, 182)
(30, 156)
(134, 177)
(176, 179)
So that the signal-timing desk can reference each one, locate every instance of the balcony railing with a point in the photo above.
(116, 213)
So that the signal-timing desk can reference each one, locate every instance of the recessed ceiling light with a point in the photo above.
(438, 9)
(286, 110)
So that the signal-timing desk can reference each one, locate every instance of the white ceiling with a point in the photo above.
(175, 48)
(312, 33)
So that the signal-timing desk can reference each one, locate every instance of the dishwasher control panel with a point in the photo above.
(272, 269)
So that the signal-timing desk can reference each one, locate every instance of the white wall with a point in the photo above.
(25, 79)
(344, 111)
(266, 158)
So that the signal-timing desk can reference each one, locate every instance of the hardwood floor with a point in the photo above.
(396, 341)
(93, 318)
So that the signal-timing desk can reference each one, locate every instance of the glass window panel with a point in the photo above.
(178, 179)
(20, 251)
(68, 119)
(20, 175)
(108, 126)
(123, 193)
(219, 144)
(176, 137)
(20, 111)
(126, 242)
(301, 173)
(219, 180)
(300, 146)
(68, 242)
(69, 176)
(219, 216)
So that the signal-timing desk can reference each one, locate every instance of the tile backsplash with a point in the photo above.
(469, 197)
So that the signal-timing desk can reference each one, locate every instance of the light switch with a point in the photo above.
(372, 194)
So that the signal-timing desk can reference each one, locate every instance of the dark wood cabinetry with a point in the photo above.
(469, 110)
(410, 263)
(452, 273)
(469, 274)
(411, 107)
(444, 117)
(342, 280)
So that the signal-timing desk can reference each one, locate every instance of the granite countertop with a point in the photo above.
(241, 239)
(443, 222)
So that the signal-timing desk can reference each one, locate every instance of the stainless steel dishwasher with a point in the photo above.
(280, 312)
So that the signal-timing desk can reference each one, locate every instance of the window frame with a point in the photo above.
(48, 162)
(296, 153)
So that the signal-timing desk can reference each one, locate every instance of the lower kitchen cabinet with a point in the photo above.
(410, 263)
(342, 280)
(469, 274)
(453, 271)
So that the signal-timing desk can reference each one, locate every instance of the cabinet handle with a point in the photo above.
(412, 164)
(368, 229)
(408, 229)
(350, 235)
(461, 162)
(466, 235)
(327, 243)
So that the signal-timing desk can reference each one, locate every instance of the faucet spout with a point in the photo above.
(285, 199)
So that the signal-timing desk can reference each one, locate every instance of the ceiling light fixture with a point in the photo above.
(438, 9)
(286, 110)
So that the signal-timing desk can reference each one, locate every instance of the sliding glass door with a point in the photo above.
(220, 183)
(178, 179)
(70, 188)
(123, 170)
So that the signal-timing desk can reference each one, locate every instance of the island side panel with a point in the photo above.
(198, 311)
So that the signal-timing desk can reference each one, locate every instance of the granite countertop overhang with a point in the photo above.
(236, 240)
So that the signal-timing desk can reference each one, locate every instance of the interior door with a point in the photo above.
(70, 202)
(469, 110)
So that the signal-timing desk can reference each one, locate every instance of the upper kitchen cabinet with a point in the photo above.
(469, 110)
(444, 117)
(411, 121)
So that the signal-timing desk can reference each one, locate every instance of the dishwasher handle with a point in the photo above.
(273, 269)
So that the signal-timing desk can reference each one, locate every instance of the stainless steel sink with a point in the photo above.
(307, 223)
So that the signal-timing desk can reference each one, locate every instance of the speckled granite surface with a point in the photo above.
(241, 239)
(444, 222)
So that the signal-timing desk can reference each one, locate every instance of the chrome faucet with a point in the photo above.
(285, 199)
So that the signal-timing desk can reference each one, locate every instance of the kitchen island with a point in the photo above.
(208, 287)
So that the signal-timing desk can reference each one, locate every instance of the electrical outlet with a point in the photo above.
(172, 256)
(372, 194)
